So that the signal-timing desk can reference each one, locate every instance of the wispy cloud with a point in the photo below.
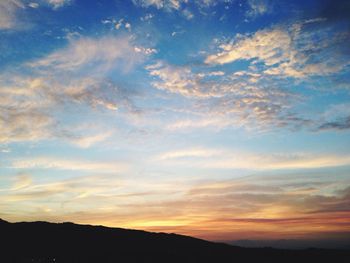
(241, 99)
(72, 75)
(340, 124)
(94, 54)
(18, 116)
(66, 164)
(175, 79)
(287, 52)
(8, 10)
(58, 3)
(22, 180)
(271, 46)
(258, 8)
(27, 102)
(204, 158)
(160, 4)
(193, 152)
(247, 207)
(171, 5)
(89, 140)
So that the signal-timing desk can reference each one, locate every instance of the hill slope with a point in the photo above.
(67, 242)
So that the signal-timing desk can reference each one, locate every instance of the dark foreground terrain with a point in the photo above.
(67, 242)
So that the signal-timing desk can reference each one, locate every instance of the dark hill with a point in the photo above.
(48, 242)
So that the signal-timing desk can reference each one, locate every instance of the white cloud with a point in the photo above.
(102, 54)
(287, 52)
(128, 26)
(33, 5)
(90, 140)
(215, 122)
(5, 150)
(121, 23)
(147, 17)
(258, 7)
(170, 5)
(22, 180)
(68, 164)
(187, 153)
(58, 3)
(188, 14)
(174, 79)
(72, 75)
(8, 10)
(336, 117)
(205, 158)
(30, 105)
(23, 125)
(241, 99)
(211, 74)
(270, 46)
(9, 18)
(161, 4)
(210, 3)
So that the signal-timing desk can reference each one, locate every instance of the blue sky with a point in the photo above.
(209, 118)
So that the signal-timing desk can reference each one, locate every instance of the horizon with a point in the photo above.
(291, 244)
(217, 119)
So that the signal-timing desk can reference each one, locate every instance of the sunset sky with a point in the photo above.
(220, 119)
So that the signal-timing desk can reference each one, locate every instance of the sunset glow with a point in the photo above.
(219, 119)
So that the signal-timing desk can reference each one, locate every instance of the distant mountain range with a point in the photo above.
(44, 242)
(342, 242)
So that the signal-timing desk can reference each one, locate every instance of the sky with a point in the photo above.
(219, 119)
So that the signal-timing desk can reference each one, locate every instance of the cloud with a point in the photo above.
(147, 17)
(64, 191)
(175, 79)
(288, 52)
(161, 4)
(262, 96)
(8, 10)
(336, 117)
(195, 152)
(246, 207)
(188, 14)
(90, 140)
(66, 164)
(279, 58)
(21, 115)
(206, 3)
(202, 158)
(258, 8)
(27, 106)
(31, 105)
(56, 4)
(340, 124)
(170, 5)
(189, 124)
(241, 99)
(250, 206)
(33, 5)
(22, 180)
(266, 204)
(23, 126)
(94, 54)
(271, 46)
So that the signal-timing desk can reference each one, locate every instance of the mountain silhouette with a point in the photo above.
(72, 243)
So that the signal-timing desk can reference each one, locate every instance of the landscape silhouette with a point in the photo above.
(70, 243)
